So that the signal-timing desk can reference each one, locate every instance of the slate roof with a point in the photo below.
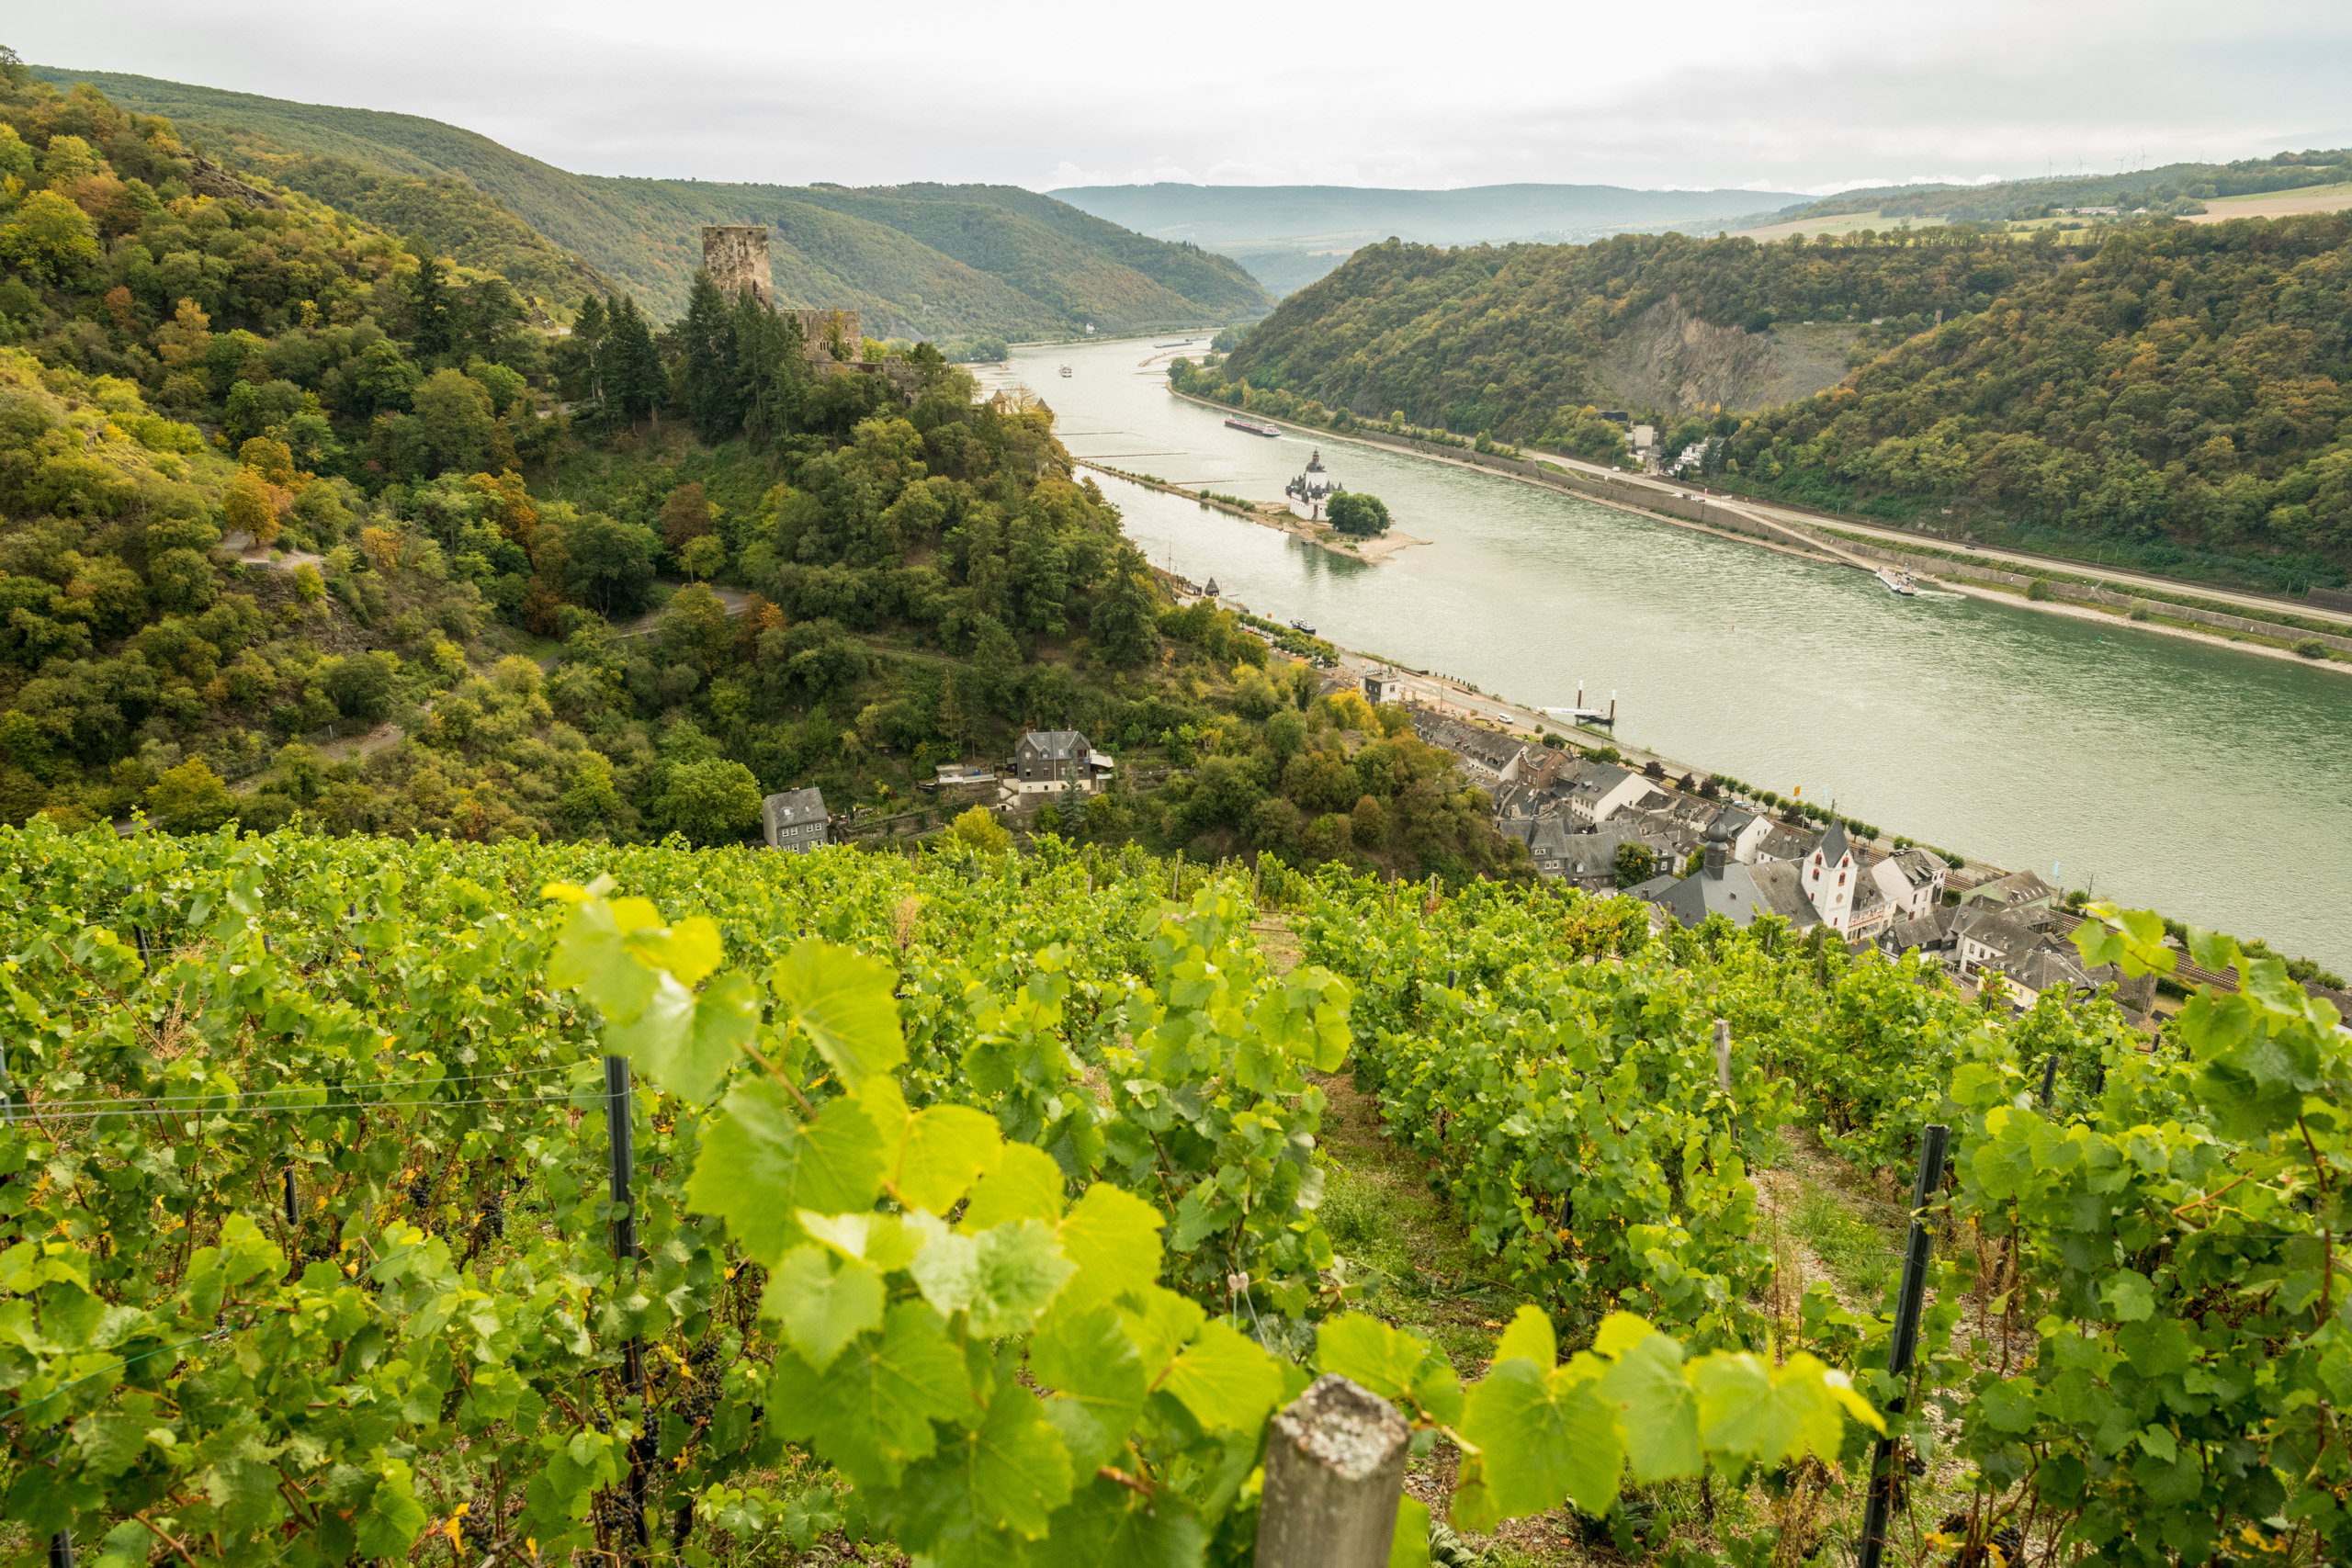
(1782, 842)
(1731, 893)
(1834, 846)
(1056, 745)
(793, 808)
(1781, 884)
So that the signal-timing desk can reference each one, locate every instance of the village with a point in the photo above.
(1684, 845)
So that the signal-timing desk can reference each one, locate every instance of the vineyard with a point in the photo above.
(365, 1198)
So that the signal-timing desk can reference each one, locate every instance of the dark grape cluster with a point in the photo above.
(420, 1192)
(493, 1213)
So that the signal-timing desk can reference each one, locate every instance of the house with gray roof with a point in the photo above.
(1049, 760)
(1780, 841)
(2018, 890)
(1744, 830)
(796, 820)
(1912, 880)
(1741, 893)
(1598, 791)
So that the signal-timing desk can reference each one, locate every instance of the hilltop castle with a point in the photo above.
(736, 256)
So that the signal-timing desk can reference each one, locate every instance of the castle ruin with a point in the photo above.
(737, 258)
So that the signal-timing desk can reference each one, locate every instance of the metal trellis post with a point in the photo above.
(622, 1138)
(1904, 1342)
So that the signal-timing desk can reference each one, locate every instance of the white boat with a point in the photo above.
(1897, 580)
(1254, 427)
(1065, 372)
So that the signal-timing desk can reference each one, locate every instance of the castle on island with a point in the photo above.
(736, 256)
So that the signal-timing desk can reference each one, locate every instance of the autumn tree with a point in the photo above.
(686, 515)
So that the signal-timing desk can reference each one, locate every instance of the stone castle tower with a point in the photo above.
(737, 259)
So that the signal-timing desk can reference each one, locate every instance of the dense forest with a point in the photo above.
(942, 262)
(2179, 396)
(1508, 338)
(2169, 396)
(275, 481)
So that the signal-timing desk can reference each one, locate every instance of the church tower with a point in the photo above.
(1829, 879)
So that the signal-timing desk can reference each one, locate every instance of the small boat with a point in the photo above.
(1253, 426)
(1065, 372)
(1302, 627)
(1897, 580)
(1180, 343)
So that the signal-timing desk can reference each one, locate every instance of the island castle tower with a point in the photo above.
(737, 258)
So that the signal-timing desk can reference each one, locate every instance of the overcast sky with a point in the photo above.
(1788, 96)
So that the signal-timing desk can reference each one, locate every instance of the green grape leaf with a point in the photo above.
(872, 1413)
(759, 1164)
(822, 1308)
(589, 954)
(1772, 1414)
(946, 1149)
(1112, 1237)
(1092, 1363)
(657, 1036)
(388, 1526)
(1225, 1379)
(1007, 1474)
(1659, 1411)
(1409, 1547)
(1107, 1526)
(1160, 1322)
(1528, 1336)
(884, 1241)
(2215, 951)
(1025, 1185)
(688, 949)
(1361, 1347)
(1544, 1435)
(727, 1019)
(1004, 1278)
(2128, 1295)
(842, 1000)
(1437, 1390)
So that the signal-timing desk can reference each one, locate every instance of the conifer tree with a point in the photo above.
(772, 363)
(588, 331)
(434, 329)
(635, 383)
(714, 380)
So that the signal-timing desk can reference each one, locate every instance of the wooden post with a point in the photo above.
(1904, 1341)
(1723, 1055)
(1335, 1468)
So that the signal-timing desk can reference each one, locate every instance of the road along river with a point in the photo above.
(2213, 784)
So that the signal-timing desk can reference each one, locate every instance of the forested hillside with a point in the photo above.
(2171, 397)
(1511, 339)
(273, 481)
(2171, 187)
(918, 260)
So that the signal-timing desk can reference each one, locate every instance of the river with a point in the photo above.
(2211, 784)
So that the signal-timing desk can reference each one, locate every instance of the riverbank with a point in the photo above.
(2242, 634)
(1369, 551)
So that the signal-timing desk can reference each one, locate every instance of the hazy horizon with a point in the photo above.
(1831, 98)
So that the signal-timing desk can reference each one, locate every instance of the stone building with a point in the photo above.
(796, 820)
(736, 256)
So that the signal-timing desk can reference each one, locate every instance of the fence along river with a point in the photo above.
(2209, 783)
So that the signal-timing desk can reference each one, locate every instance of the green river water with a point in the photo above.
(2211, 784)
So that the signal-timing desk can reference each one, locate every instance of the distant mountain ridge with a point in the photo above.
(1290, 235)
(921, 260)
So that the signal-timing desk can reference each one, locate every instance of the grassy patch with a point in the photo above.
(1863, 1258)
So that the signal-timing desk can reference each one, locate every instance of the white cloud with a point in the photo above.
(1050, 92)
